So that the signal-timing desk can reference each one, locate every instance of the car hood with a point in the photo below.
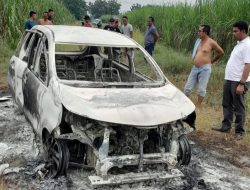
(128, 106)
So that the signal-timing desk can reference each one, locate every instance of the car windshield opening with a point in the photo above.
(109, 65)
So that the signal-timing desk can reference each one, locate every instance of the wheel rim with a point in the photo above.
(184, 155)
(56, 155)
(55, 158)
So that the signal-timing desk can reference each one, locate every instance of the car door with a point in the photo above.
(41, 103)
(17, 67)
(30, 81)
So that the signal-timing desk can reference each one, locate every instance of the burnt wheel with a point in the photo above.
(184, 155)
(57, 156)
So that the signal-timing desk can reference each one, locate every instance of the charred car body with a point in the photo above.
(99, 100)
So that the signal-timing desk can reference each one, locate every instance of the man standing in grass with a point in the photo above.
(45, 20)
(237, 81)
(112, 26)
(87, 21)
(202, 60)
(31, 21)
(127, 29)
(51, 15)
(151, 36)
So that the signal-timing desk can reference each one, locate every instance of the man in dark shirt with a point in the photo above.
(31, 21)
(87, 21)
(50, 15)
(112, 26)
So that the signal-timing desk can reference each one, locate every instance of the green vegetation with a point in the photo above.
(135, 6)
(178, 24)
(78, 8)
(13, 14)
(106, 18)
(102, 7)
(6, 53)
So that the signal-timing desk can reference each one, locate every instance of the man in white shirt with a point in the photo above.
(237, 81)
(127, 29)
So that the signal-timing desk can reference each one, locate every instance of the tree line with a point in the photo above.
(79, 8)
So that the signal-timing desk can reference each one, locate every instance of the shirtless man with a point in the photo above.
(45, 20)
(202, 60)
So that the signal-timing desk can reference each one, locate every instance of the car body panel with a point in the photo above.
(89, 36)
(41, 103)
(131, 106)
(20, 67)
(16, 70)
(11, 77)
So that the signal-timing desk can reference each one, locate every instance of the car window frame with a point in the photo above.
(98, 84)
(42, 49)
(30, 47)
(21, 43)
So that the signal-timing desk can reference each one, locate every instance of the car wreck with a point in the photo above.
(98, 100)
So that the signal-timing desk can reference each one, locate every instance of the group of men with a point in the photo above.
(151, 34)
(237, 78)
(46, 20)
(126, 28)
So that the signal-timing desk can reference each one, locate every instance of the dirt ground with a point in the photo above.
(210, 168)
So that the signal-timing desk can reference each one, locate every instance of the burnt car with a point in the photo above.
(98, 100)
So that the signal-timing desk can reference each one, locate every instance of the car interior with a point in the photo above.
(100, 65)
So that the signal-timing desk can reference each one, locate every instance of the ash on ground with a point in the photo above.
(21, 164)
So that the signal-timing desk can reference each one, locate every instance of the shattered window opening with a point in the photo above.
(41, 64)
(111, 65)
(33, 48)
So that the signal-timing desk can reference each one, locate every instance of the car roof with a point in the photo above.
(87, 35)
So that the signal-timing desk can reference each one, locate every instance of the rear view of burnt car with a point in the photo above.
(99, 101)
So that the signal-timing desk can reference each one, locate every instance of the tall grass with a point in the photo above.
(106, 18)
(13, 14)
(178, 23)
(6, 53)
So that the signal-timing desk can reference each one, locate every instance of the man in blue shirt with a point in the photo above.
(31, 21)
(151, 36)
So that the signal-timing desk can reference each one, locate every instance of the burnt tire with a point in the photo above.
(184, 154)
(57, 156)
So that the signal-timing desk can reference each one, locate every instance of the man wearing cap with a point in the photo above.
(87, 22)
(112, 26)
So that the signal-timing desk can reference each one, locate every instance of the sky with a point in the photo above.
(126, 4)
